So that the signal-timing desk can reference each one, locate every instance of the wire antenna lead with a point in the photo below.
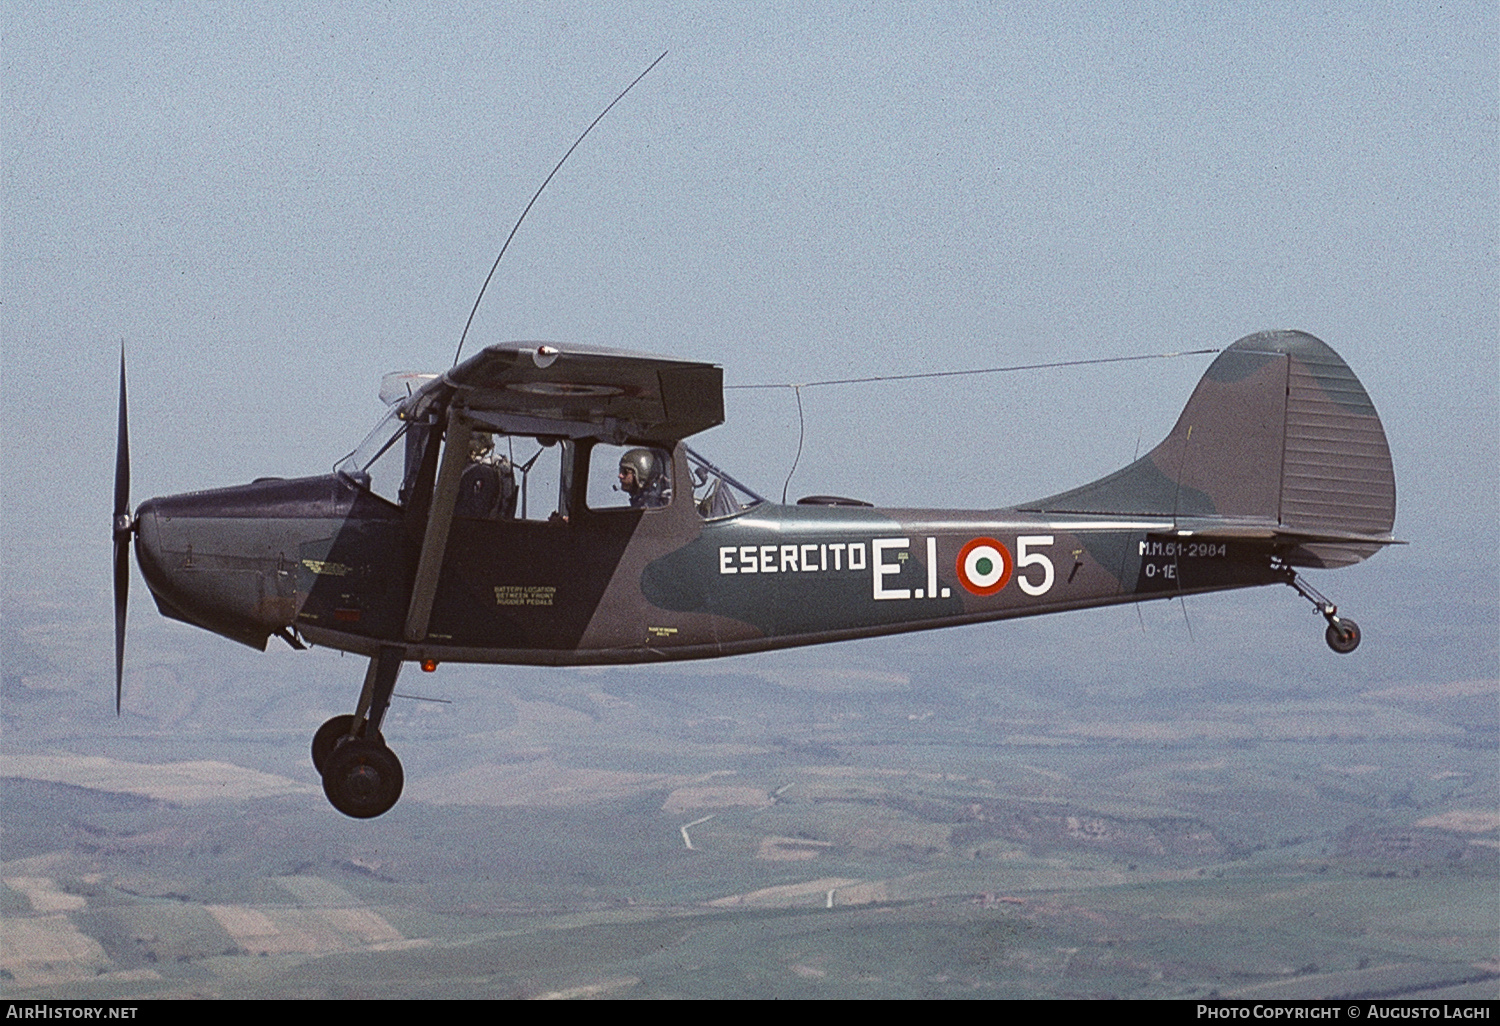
(469, 323)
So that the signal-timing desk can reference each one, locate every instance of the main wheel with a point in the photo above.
(1342, 637)
(329, 736)
(363, 778)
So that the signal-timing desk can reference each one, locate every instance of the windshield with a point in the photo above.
(380, 465)
(715, 493)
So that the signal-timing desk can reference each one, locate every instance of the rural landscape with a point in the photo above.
(902, 818)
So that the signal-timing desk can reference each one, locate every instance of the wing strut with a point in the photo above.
(439, 520)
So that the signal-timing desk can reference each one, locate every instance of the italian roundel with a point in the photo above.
(984, 566)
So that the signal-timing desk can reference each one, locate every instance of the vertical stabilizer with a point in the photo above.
(1279, 432)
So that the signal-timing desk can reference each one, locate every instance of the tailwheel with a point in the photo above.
(332, 734)
(363, 778)
(1342, 635)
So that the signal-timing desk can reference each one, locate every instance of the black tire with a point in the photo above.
(363, 779)
(329, 736)
(1342, 637)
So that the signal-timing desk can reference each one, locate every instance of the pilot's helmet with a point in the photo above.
(644, 463)
(481, 444)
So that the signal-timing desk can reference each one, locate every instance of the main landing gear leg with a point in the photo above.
(1342, 634)
(361, 776)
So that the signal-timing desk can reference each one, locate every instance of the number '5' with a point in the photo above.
(1025, 559)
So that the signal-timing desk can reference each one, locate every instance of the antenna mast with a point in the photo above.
(560, 163)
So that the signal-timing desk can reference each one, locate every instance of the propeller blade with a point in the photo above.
(122, 452)
(122, 530)
(122, 590)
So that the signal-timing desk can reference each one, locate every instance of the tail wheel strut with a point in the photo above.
(1342, 634)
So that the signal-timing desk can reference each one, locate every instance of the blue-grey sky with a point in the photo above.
(273, 205)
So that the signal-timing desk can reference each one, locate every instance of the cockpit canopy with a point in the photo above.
(511, 476)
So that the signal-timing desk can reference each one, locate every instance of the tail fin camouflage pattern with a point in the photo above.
(1279, 440)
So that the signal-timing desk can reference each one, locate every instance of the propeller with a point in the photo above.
(124, 527)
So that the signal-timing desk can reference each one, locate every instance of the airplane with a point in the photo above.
(432, 543)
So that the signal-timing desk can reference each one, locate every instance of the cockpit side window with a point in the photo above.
(487, 488)
(516, 477)
(629, 477)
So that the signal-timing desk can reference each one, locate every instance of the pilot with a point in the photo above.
(487, 488)
(643, 477)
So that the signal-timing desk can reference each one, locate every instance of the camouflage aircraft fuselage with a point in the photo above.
(1278, 460)
(320, 556)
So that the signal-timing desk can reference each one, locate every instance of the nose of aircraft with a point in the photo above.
(214, 572)
(153, 540)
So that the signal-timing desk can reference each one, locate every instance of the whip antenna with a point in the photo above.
(801, 434)
(560, 163)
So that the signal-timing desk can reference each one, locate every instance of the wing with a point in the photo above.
(578, 392)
